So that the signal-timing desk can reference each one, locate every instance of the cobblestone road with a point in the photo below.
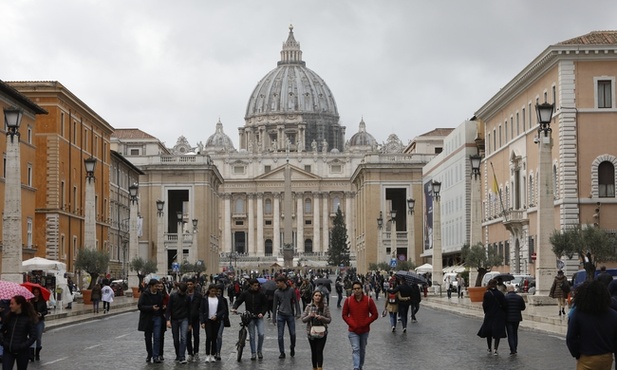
(440, 340)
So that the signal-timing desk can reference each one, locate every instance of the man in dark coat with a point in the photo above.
(604, 276)
(192, 340)
(177, 316)
(514, 305)
(150, 307)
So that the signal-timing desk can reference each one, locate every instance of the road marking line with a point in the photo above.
(53, 362)
(122, 336)
(94, 346)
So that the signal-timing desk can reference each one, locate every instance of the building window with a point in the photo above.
(308, 222)
(268, 222)
(134, 151)
(605, 96)
(532, 192)
(336, 168)
(29, 135)
(62, 124)
(268, 206)
(267, 169)
(524, 120)
(307, 205)
(336, 203)
(307, 168)
(29, 232)
(239, 223)
(239, 206)
(239, 170)
(438, 150)
(555, 183)
(606, 180)
(29, 175)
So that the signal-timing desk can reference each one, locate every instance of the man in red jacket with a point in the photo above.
(359, 311)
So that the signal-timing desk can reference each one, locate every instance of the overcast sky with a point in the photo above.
(174, 68)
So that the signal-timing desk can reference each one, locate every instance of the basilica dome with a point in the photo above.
(362, 138)
(219, 141)
(296, 98)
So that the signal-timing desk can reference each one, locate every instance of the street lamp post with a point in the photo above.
(437, 255)
(476, 213)
(180, 251)
(133, 191)
(12, 225)
(475, 236)
(411, 205)
(193, 249)
(545, 260)
(90, 205)
(393, 251)
(380, 252)
(161, 261)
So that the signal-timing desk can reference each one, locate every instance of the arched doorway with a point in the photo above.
(268, 246)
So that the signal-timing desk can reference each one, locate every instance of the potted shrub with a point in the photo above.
(482, 260)
(142, 268)
(95, 263)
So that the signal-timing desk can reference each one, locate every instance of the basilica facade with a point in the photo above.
(225, 204)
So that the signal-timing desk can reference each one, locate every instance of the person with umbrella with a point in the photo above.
(18, 333)
(40, 307)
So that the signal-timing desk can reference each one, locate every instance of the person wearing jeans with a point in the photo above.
(256, 303)
(178, 320)
(150, 307)
(359, 311)
(285, 309)
(192, 339)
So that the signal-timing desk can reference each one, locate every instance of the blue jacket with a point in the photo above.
(514, 305)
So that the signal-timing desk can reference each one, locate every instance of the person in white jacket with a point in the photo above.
(107, 296)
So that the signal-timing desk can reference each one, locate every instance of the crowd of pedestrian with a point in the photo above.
(196, 305)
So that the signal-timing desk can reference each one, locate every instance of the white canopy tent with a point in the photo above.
(427, 267)
(456, 269)
(56, 268)
(38, 263)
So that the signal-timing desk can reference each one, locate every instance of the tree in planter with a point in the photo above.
(92, 261)
(590, 244)
(195, 268)
(338, 253)
(142, 268)
(405, 265)
(478, 257)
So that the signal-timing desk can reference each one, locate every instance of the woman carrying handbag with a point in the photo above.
(317, 317)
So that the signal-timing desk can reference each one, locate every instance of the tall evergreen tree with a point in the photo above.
(338, 252)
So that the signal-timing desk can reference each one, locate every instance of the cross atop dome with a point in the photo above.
(291, 53)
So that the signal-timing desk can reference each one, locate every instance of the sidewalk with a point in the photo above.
(81, 312)
(542, 318)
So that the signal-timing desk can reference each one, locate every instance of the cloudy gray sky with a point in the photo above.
(174, 68)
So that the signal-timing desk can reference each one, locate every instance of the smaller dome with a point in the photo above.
(219, 142)
(362, 139)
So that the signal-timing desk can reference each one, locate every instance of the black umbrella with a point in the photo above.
(268, 286)
(411, 277)
(323, 281)
(504, 277)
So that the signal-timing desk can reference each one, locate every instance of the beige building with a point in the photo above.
(578, 76)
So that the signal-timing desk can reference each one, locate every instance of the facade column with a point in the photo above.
(349, 220)
(316, 223)
(276, 218)
(226, 223)
(12, 254)
(250, 238)
(326, 224)
(300, 223)
(133, 280)
(545, 261)
(260, 224)
(437, 254)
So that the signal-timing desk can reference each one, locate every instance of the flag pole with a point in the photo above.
(496, 188)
